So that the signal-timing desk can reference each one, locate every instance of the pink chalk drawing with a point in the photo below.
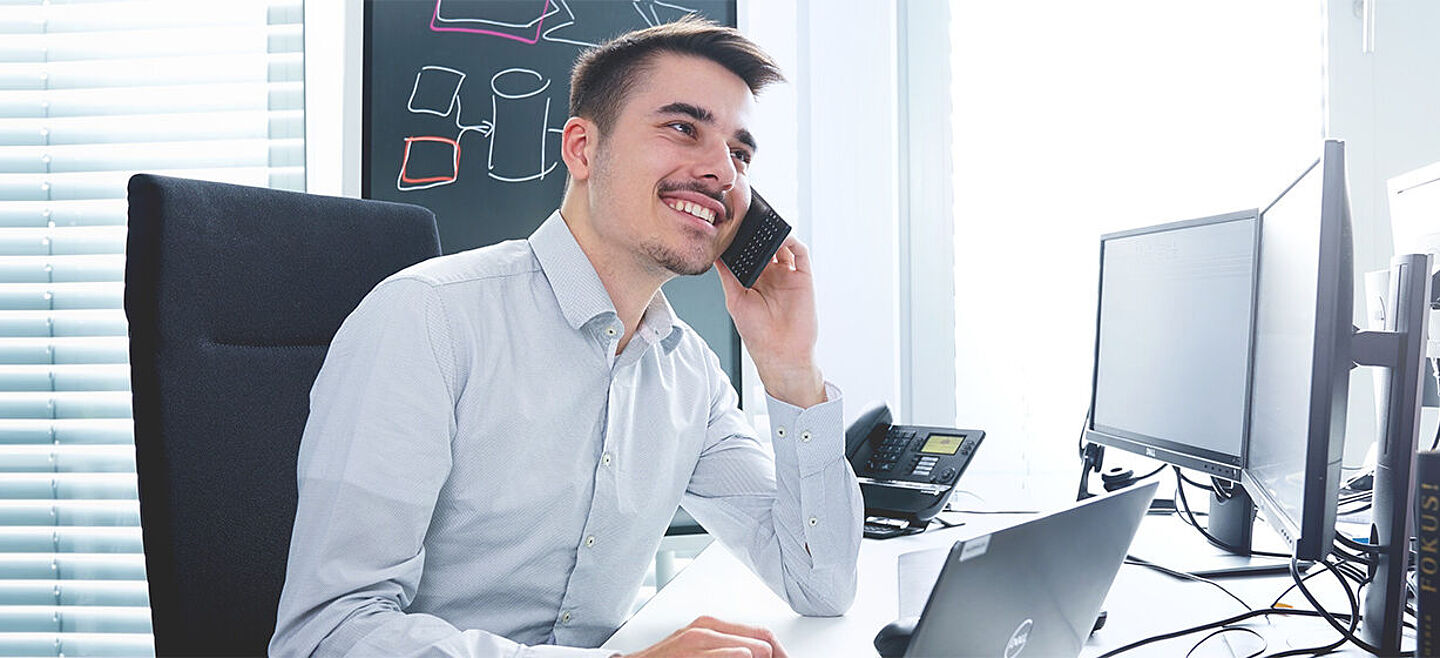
(408, 182)
(507, 28)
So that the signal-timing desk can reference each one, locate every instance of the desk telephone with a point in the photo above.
(906, 472)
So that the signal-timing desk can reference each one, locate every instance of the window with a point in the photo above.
(1076, 119)
(92, 92)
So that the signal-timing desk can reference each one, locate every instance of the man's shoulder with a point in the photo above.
(492, 264)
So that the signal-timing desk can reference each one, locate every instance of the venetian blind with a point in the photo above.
(91, 92)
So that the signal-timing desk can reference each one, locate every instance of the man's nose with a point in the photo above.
(716, 164)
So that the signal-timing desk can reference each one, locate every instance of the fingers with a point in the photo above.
(697, 639)
(801, 253)
(794, 255)
(755, 632)
(728, 281)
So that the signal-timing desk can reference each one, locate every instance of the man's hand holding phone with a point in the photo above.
(776, 318)
(710, 637)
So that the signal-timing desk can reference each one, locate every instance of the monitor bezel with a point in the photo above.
(1312, 534)
(1213, 462)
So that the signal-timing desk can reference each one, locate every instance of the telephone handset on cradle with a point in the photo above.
(760, 235)
(906, 472)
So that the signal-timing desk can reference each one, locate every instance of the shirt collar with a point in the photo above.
(581, 295)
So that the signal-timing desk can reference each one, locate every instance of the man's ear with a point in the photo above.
(578, 141)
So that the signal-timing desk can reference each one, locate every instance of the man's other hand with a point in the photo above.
(710, 637)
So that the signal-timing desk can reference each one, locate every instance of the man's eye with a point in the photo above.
(741, 155)
(682, 127)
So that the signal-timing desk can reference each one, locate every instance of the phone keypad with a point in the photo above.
(887, 454)
(759, 237)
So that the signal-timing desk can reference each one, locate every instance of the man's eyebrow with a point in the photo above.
(747, 139)
(705, 116)
(693, 111)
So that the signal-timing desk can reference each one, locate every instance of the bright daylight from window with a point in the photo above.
(1076, 119)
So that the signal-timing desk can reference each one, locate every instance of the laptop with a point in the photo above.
(1031, 590)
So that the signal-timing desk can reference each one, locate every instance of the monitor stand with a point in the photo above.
(1231, 520)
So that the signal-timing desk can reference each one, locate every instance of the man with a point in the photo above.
(499, 438)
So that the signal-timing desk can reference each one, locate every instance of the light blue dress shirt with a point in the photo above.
(481, 474)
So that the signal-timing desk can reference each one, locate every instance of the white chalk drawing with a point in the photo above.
(434, 79)
(567, 28)
(520, 116)
(519, 120)
(657, 9)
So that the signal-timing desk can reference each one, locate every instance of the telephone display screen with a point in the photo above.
(940, 444)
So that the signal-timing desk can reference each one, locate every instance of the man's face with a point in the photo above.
(669, 181)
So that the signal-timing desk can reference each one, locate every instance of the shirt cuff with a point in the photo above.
(811, 438)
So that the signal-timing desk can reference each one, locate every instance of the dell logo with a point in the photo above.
(1018, 639)
(1149, 452)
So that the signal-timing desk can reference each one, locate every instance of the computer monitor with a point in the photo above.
(1301, 369)
(1173, 341)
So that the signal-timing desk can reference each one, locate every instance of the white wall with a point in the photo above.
(1385, 104)
(840, 56)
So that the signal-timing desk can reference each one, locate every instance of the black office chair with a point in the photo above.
(233, 294)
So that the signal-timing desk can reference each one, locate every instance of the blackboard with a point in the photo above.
(463, 105)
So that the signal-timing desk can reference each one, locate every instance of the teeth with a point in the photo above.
(694, 209)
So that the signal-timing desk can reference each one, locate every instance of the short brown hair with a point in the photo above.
(605, 75)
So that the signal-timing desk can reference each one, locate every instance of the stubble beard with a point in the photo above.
(652, 248)
(674, 262)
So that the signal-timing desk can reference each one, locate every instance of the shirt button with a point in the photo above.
(565, 618)
(610, 331)
(780, 432)
(805, 436)
(605, 459)
(590, 541)
(814, 520)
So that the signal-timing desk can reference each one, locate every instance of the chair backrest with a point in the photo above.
(233, 294)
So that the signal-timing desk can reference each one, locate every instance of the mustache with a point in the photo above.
(698, 188)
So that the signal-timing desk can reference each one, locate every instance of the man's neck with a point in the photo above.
(629, 285)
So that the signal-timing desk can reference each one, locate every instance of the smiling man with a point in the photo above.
(499, 438)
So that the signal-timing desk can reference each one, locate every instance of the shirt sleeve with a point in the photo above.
(794, 519)
(373, 458)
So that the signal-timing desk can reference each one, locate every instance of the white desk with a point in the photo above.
(1141, 603)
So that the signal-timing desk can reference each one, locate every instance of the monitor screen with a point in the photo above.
(1301, 370)
(1173, 341)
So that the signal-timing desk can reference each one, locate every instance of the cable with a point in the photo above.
(1193, 483)
(1349, 634)
(1291, 588)
(1185, 505)
(1263, 612)
(1226, 629)
(1151, 474)
(1357, 546)
(1130, 559)
(1310, 651)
